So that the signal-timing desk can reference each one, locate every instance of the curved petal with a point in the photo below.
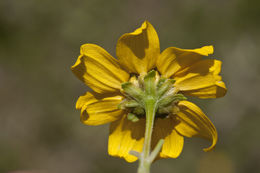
(173, 141)
(125, 136)
(98, 69)
(85, 99)
(201, 79)
(137, 51)
(193, 122)
(98, 109)
(174, 59)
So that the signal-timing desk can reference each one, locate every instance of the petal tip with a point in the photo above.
(207, 50)
(131, 159)
(208, 149)
(144, 24)
(213, 145)
(221, 90)
(211, 49)
(76, 63)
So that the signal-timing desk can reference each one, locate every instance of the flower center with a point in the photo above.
(141, 88)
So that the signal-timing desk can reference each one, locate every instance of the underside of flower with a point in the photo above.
(150, 117)
(140, 89)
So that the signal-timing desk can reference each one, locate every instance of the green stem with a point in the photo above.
(156, 150)
(148, 99)
(145, 162)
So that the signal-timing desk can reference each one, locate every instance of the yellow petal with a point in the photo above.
(85, 99)
(98, 69)
(137, 51)
(173, 141)
(193, 122)
(125, 136)
(98, 109)
(174, 59)
(201, 79)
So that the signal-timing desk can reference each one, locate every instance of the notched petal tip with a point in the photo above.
(221, 90)
(76, 63)
(137, 51)
(206, 50)
(202, 79)
(139, 30)
(173, 60)
(84, 100)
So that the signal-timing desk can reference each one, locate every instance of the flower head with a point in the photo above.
(142, 71)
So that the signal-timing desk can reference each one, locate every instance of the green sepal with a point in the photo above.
(132, 117)
(127, 104)
(121, 105)
(167, 100)
(131, 104)
(133, 91)
(160, 82)
(165, 110)
(179, 97)
(138, 110)
(165, 87)
(149, 83)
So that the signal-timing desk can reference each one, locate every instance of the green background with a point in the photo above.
(40, 129)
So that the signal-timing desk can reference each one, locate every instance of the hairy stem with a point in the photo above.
(144, 160)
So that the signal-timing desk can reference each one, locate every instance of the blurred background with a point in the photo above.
(40, 131)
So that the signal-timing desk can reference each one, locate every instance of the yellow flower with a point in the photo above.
(138, 53)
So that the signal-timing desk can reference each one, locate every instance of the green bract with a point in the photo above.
(151, 86)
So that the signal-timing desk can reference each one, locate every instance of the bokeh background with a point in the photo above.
(40, 131)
